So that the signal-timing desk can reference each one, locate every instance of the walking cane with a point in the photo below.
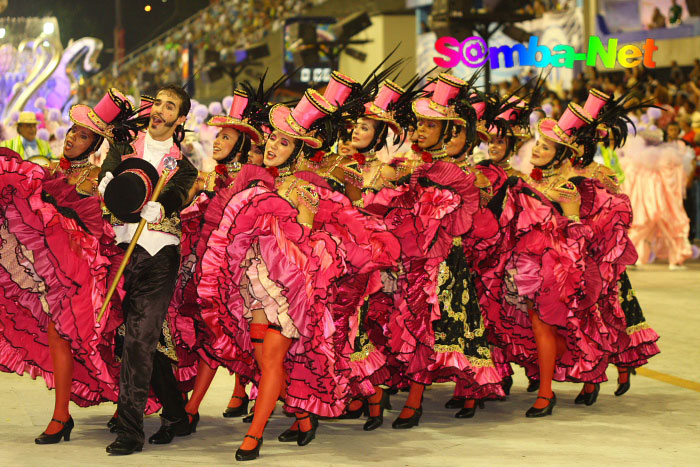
(168, 165)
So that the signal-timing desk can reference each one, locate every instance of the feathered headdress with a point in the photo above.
(608, 117)
(257, 111)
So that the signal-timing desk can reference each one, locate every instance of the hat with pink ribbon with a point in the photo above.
(564, 130)
(297, 122)
(236, 119)
(99, 118)
(439, 105)
(381, 107)
(339, 89)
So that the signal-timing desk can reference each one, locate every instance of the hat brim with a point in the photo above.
(112, 199)
(422, 109)
(79, 115)
(487, 135)
(545, 127)
(369, 113)
(278, 120)
(230, 122)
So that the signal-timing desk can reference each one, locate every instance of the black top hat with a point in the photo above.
(130, 190)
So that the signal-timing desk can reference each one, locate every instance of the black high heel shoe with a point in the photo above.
(249, 418)
(506, 384)
(249, 454)
(624, 387)
(455, 403)
(288, 435)
(588, 398)
(305, 437)
(591, 397)
(354, 414)
(469, 412)
(410, 422)
(56, 437)
(373, 423)
(112, 423)
(194, 420)
(533, 385)
(533, 412)
(232, 412)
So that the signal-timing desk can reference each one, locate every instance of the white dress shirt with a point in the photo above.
(151, 240)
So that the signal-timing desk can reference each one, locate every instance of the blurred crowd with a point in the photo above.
(224, 28)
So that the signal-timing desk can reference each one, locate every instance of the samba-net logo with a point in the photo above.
(474, 53)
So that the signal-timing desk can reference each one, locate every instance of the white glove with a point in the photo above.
(104, 182)
(153, 212)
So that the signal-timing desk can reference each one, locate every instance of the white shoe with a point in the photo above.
(677, 267)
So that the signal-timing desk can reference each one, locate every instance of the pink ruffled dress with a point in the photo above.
(437, 334)
(52, 270)
(542, 262)
(259, 256)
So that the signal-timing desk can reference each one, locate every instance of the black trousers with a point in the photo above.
(149, 283)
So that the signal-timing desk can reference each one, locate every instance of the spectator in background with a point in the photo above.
(695, 72)
(693, 137)
(26, 144)
(677, 75)
(658, 20)
(675, 13)
(663, 100)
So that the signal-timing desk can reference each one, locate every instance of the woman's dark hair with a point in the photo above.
(562, 153)
(242, 146)
(381, 129)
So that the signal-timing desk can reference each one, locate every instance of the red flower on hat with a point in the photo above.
(64, 163)
(221, 169)
(536, 174)
(274, 171)
(359, 158)
(318, 156)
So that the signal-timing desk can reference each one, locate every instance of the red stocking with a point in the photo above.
(355, 404)
(62, 359)
(205, 375)
(257, 336)
(274, 349)
(238, 393)
(623, 375)
(415, 399)
(546, 342)
(374, 410)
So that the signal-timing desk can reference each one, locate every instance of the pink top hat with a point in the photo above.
(98, 119)
(379, 109)
(430, 87)
(297, 123)
(595, 102)
(339, 89)
(235, 118)
(562, 131)
(437, 106)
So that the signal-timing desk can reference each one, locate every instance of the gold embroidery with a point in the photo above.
(362, 354)
(637, 327)
(169, 348)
